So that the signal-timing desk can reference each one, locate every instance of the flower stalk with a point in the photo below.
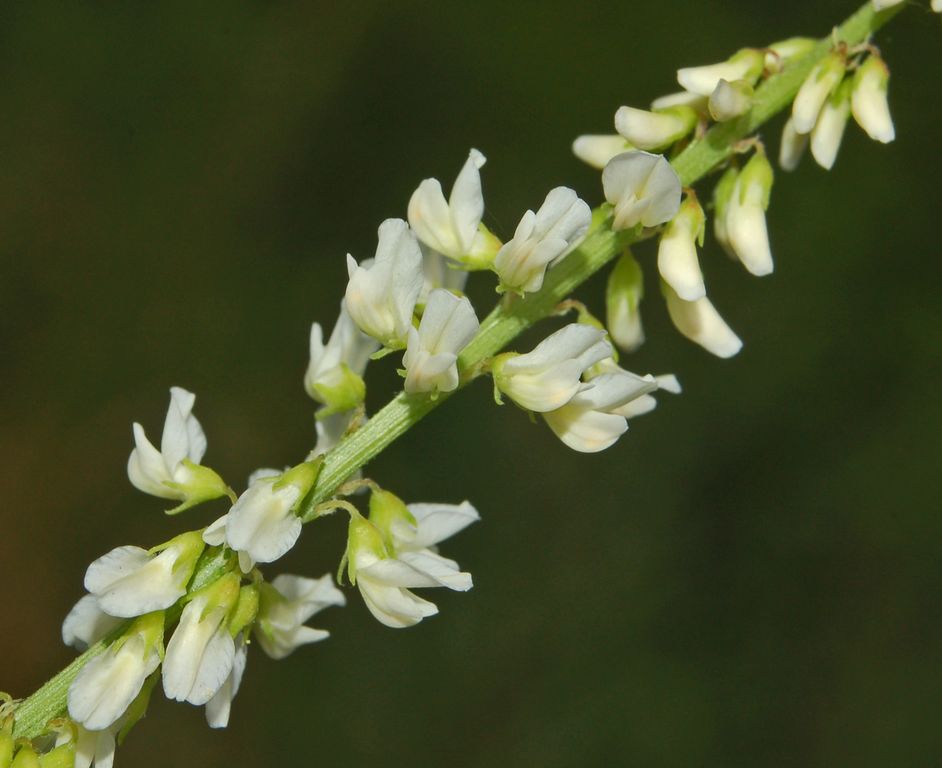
(499, 328)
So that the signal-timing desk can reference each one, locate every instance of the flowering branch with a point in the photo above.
(303, 491)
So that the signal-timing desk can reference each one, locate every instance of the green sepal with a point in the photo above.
(205, 485)
(303, 477)
(346, 393)
(483, 257)
(191, 546)
(362, 534)
(26, 756)
(6, 749)
(246, 609)
(62, 756)
(386, 510)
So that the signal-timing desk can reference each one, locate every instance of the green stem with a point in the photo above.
(500, 327)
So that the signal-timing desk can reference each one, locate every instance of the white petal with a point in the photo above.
(748, 235)
(199, 656)
(128, 582)
(643, 188)
(106, 686)
(444, 571)
(467, 201)
(393, 606)
(868, 100)
(437, 522)
(702, 324)
(678, 264)
(396, 573)
(649, 130)
(792, 147)
(829, 130)
(86, 624)
(598, 150)
(814, 91)
(586, 431)
(183, 437)
(146, 469)
(703, 80)
(430, 218)
(262, 523)
(219, 706)
(215, 533)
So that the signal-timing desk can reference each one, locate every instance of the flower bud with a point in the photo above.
(654, 130)
(730, 100)
(26, 757)
(792, 147)
(6, 749)
(597, 150)
(722, 194)
(779, 54)
(829, 130)
(702, 324)
(745, 215)
(745, 65)
(816, 88)
(868, 100)
(677, 251)
(623, 295)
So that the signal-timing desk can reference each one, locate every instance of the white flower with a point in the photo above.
(868, 100)
(547, 377)
(106, 685)
(730, 100)
(439, 272)
(643, 188)
(394, 551)
(431, 359)
(201, 652)
(792, 147)
(219, 706)
(542, 239)
(623, 294)
(588, 423)
(173, 472)
(880, 5)
(86, 624)
(288, 602)
(330, 431)
(746, 65)
(263, 523)
(937, 6)
(654, 130)
(814, 91)
(677, 251)
(130, 581)
(702, 324)
(829, 130)
(381, 297)
(453, 227)
(334, 373)
(744, 216)
(597, 150)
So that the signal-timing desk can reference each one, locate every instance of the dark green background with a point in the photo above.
(751, 577)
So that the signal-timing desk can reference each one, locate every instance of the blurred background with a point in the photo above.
(750, 577)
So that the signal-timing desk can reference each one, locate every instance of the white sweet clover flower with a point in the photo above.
(820, 83)
(94, 748)
(334, 374)
(730, 100)
(381, 296)
(285, 604)
(701, 323)
(542, 239)
(431, 359)
(623, 294)
(744, 216)
(108, 684)
(657, 129)
(330, 431)
(643, 188)
(453, 228)
(87, 623)
(547, 377)
(868, 100)
(746, 65)
(597, 149)
(174, 472)
(677, 251)
(220, 705)
(263, 524)
(828, 132)
(201, 651)
(792, 146)
(130, 581)
(385, 580)
(440, 272)
(588, 423)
